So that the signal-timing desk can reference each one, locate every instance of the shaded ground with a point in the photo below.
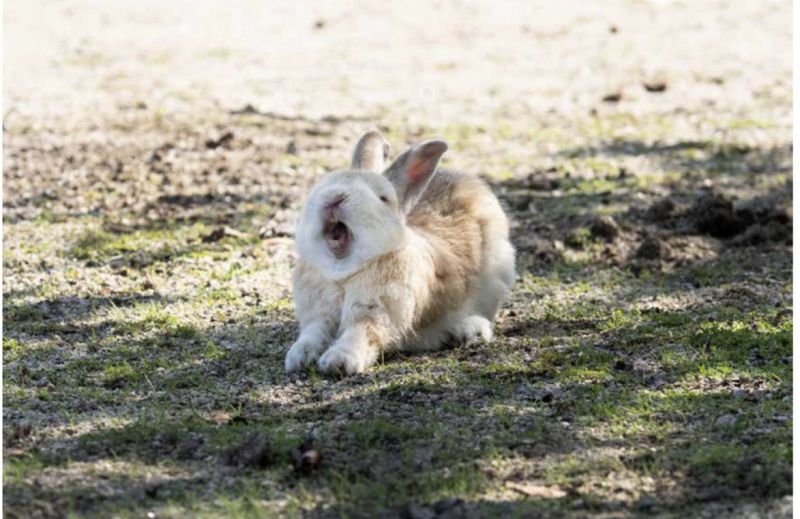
(642, 365)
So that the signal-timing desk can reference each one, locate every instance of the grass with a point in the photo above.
(136, 355)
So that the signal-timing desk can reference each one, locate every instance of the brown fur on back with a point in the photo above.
(457, 214)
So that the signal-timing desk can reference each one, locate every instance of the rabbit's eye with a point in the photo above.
(384, 199)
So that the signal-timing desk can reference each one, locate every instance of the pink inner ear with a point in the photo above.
(420, 165)
(417, 170)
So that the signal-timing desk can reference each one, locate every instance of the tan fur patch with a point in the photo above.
(456, 214)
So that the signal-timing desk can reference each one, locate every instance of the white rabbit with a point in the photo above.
(411, 259)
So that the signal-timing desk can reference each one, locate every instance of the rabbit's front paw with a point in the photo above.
(343, 360)
(302, 354)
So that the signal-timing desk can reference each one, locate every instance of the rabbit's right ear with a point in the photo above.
(411, 171)
(370, 153)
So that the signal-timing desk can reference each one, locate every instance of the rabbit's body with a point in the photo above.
(466, 233)
(437, 280)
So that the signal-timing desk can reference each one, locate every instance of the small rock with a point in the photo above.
(291, 148)
(739, 393)
(613, 97)
(605, 227)
(222, 140)
(221, 417)
(247, 109)
(215, 235)
(655, 85)
(726, 420)
(219, 233)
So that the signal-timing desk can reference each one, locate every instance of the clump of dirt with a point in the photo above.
(765, 210)
(746, 223)
(605, 227)
(223, 140)
(661, 210)
(189, 447)
(220, 233)
(762, 233)
(280, 225)
(546, 180)
(654, 248)
(255, 452)
(543, 251)
(656, 84)
(578, 238)
(713, 214)
(305, 457)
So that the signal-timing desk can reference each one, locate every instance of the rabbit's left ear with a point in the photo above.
(411, 171)
(370, 153)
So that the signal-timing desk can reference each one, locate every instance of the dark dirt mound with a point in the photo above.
(255, 452)
(748, 222)
(713, 214)
(605, 227)
(654, 248)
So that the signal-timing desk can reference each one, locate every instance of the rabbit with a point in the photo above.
(408, 258)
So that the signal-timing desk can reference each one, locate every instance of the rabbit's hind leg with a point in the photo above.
(466, 330)
(453, 330)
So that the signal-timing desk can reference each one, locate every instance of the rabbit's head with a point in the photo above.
(356, 215)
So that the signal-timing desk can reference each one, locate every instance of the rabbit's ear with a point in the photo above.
(370, 153)
(411, 171)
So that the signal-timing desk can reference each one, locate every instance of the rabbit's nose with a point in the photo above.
(335, 202)
(332, 206)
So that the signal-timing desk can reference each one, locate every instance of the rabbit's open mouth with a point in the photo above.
(337, 237)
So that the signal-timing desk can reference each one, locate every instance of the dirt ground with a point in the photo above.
(156, 154)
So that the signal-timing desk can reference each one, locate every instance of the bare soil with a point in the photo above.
(155, 158)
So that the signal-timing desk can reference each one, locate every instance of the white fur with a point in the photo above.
(351, 309)
(351, 353)
(373, 233)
